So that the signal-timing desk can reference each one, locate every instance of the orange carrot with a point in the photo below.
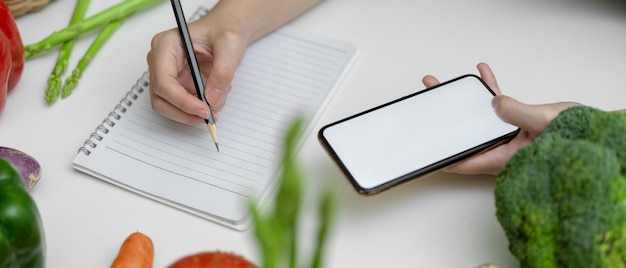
(137, 251)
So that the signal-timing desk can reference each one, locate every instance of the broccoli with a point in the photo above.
(586, 123)
(562, 200)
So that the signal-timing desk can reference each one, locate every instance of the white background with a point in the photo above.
(541, 51)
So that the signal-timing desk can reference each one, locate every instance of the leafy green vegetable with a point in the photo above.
(562, 200)
(276, 231)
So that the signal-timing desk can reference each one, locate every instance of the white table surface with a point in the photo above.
(541, 51)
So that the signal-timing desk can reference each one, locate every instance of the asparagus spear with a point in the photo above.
(103, 36)
(54, 80)
(115, 12)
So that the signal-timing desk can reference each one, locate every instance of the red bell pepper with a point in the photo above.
(11, 53)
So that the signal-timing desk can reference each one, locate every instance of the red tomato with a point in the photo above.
(213, 259)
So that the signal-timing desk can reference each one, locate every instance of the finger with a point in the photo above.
(170, 111)
(519, 114)
(228, 52)
(491, 161)
(430, 81)
(532, 118)
(487, 162)
(490, 79)
(480, 164)
(165, 60)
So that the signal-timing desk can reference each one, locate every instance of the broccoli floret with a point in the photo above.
(562, 200)
(587, 123)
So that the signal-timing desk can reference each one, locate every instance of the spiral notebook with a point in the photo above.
(287, 74)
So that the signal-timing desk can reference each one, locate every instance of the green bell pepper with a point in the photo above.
(21, 232)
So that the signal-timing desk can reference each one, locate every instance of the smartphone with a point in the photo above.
(415, 135)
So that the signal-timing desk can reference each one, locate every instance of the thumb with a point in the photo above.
(227, 56)
(218, 86)
(532, 118)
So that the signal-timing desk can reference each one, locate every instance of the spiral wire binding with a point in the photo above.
(116, 114)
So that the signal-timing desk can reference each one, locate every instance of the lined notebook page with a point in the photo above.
(285, 75)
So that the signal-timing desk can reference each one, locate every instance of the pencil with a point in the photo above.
(193, 65)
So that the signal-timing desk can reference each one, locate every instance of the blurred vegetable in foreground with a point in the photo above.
(21, 231)
(11, 54)
(562, 200)
(276, 231)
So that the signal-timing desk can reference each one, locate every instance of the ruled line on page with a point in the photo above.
(239, 192)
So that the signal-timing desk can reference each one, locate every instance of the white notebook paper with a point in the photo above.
(287, 74)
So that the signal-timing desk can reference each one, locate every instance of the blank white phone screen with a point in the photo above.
(397, 139)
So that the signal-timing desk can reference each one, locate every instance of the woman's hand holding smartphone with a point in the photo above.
(416, 135)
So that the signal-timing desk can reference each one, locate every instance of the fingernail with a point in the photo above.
(202, 113)
(495, 102)
(216, 97)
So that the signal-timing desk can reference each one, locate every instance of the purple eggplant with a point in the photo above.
(26, 164)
